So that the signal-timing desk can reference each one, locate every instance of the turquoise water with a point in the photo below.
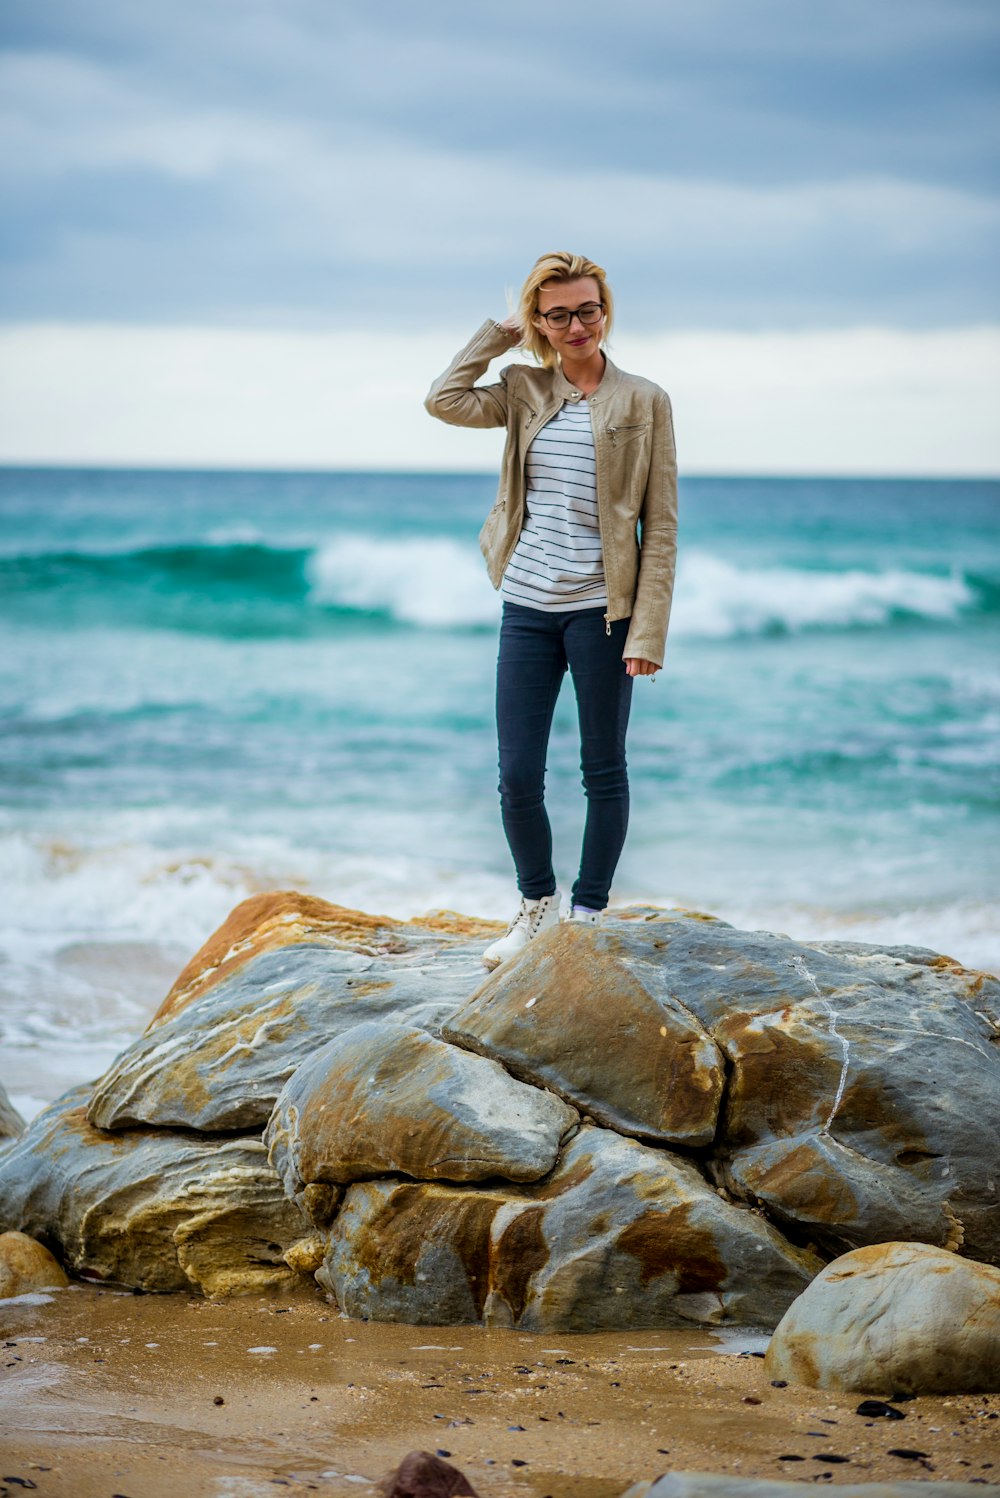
(218, 682)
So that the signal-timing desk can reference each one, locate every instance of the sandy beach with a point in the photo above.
(108, 1393)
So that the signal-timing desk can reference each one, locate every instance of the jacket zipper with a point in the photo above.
(532, 418)
(634, 426)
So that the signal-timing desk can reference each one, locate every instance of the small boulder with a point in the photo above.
(383, 1099)
(894, 1317)
(26, 1265)
(421, 1475)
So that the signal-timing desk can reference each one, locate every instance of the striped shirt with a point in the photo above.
(557, 563)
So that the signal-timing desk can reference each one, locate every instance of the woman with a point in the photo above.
(581, 544)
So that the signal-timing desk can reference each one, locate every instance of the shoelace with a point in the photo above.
(530, 918)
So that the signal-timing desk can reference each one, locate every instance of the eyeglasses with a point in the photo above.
(588, 314)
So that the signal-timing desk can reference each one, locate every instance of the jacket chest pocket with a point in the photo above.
(626, 432)
(527, 415)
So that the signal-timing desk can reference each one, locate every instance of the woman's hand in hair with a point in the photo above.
(512, 325)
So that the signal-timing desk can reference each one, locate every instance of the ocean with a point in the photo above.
(217, 683)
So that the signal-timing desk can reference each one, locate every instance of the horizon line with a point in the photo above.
(798, 476)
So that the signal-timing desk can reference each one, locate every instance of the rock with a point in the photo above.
(25, 1265)
(720, 1485)
(272, 985)
(11, 1122)
(150, 1209)
(621, 1236)
(861, 1083)
(421, 1475)
(898, 1317)
(386, 1098)
(594, 1018)
(753, 1095)
(414, 1252)
(286, 917)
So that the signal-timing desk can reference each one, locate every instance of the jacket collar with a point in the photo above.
(564, 391)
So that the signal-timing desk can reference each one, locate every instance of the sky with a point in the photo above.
(250, 232)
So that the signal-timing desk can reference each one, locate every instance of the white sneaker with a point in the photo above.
(534, 916)
(584, 916)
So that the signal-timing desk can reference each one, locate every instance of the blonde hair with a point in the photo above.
(559, 266)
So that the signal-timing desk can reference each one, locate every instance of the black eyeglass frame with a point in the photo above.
(576, 312)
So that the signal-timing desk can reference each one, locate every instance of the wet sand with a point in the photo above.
(106, 1393)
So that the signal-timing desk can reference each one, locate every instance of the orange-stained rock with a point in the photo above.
(862, 1086)
(383, 1099)
(219, 1062)
(591, 1015)
(621, 1236)
(282, 918)
(900, 1317)
(26, 1265)
(151, 1209)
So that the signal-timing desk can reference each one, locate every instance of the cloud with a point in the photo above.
(861, 400)
(329, 164)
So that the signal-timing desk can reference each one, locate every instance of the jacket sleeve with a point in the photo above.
(456, 398)
(658, 543)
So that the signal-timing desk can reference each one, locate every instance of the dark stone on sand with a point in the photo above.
(421, 1474)
(877, 1409)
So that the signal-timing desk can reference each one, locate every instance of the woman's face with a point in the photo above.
(577, 341)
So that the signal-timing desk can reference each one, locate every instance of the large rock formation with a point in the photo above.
(659, 1121)
(896, 1317)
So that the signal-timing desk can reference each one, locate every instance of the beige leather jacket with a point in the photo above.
(636, 473)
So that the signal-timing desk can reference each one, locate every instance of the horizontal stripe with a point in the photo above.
(558, 562)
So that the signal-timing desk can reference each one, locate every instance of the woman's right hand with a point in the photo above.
(513, 325)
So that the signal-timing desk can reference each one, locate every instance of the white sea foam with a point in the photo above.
(442, 582)
(715, 599)
(432, 581)
(92, 936)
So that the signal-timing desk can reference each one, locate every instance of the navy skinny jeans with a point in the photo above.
(536, 647)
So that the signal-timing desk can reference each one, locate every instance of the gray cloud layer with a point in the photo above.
(735, 163)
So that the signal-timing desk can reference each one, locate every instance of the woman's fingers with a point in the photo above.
(636, 666)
